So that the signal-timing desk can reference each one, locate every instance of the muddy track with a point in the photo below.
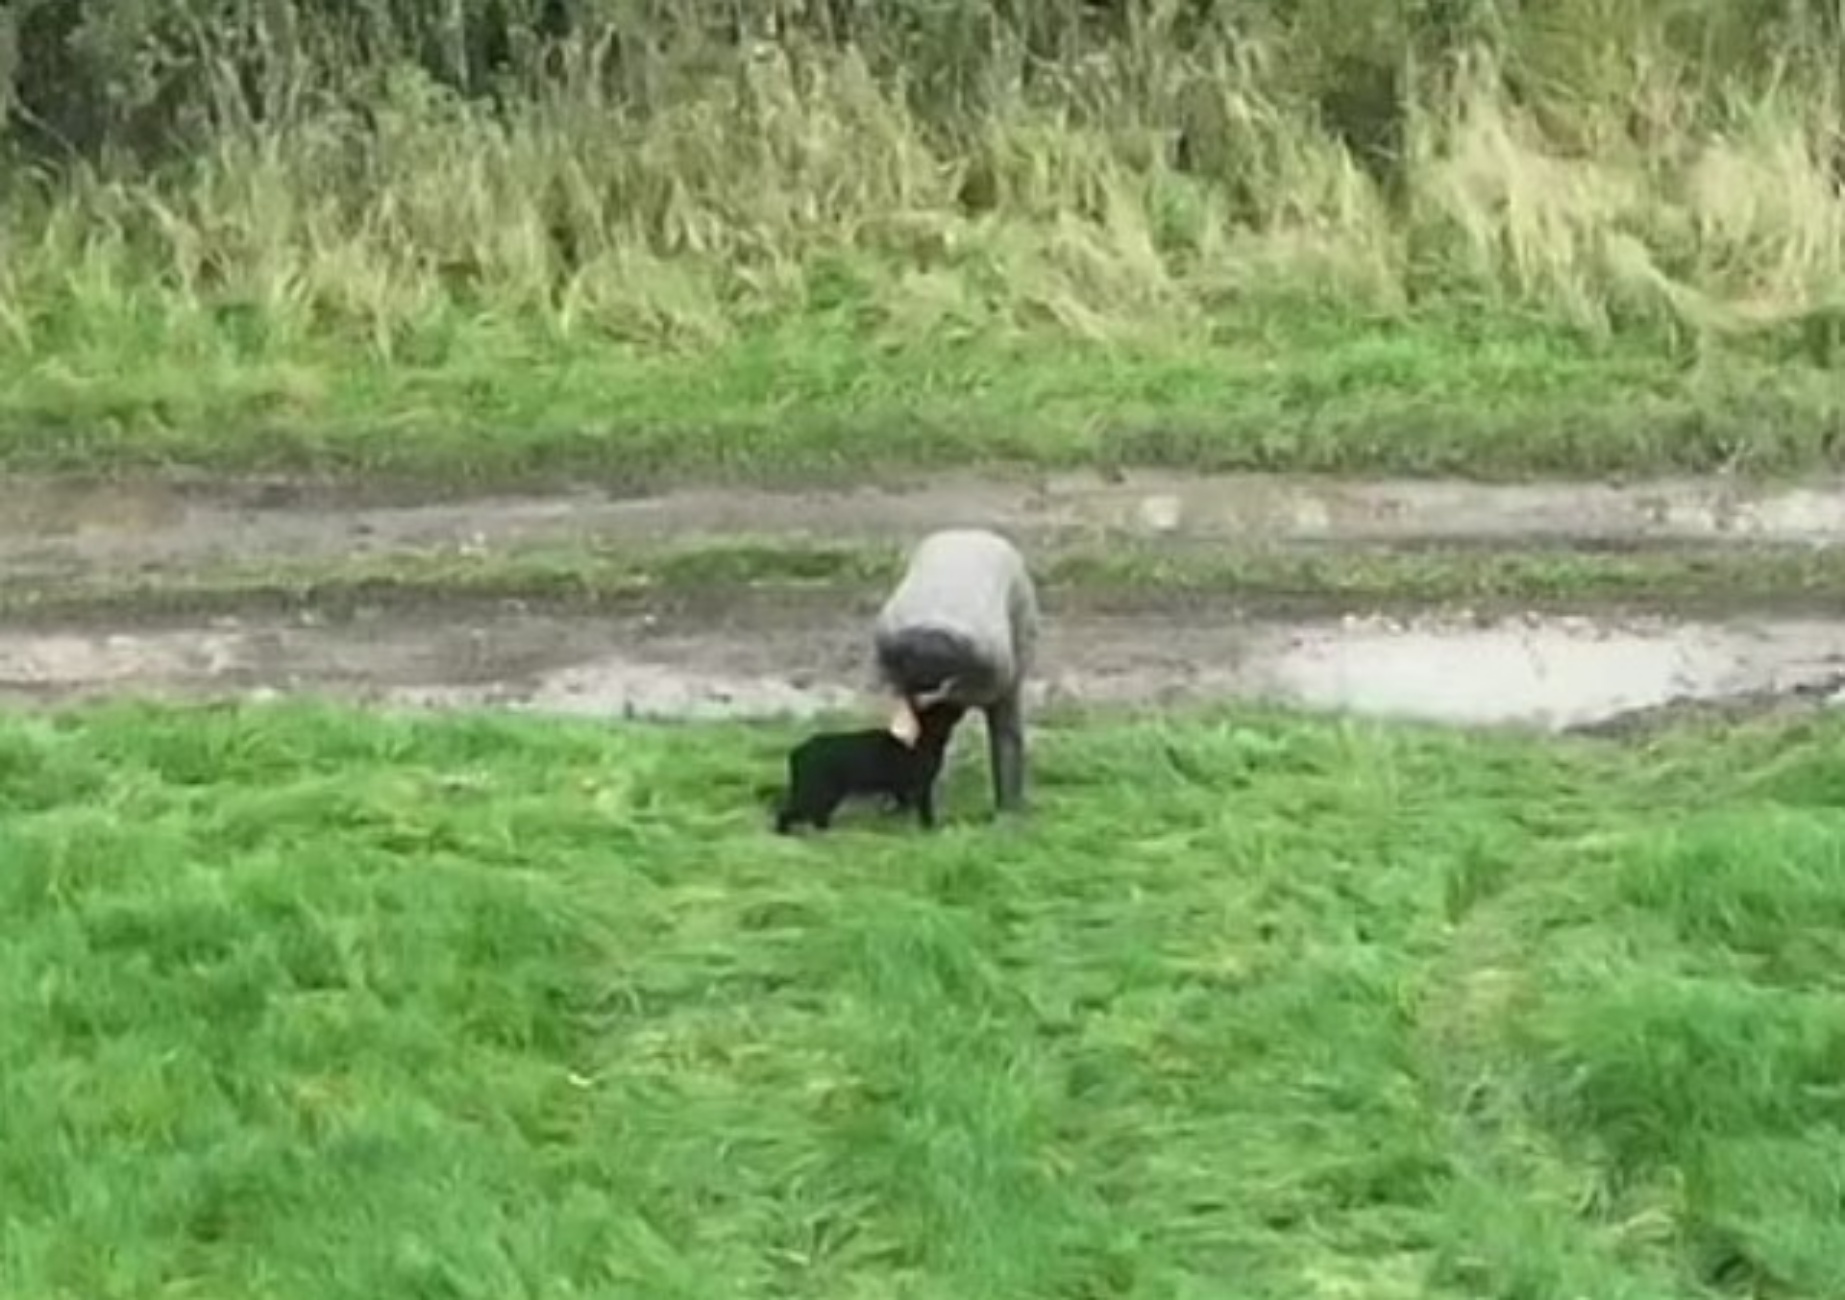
(72, 527)
(777, 654)
(790, 656)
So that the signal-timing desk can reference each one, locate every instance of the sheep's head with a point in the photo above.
(904, 723)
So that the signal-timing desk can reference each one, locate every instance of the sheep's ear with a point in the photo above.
(937, 695)
(904, 724)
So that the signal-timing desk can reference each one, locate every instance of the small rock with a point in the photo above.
(1311, 516)
(1161, 514)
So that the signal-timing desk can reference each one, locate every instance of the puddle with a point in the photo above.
(1547, 673)
(1553, 674)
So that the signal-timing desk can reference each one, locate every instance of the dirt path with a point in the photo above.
(794, 656)
(71, 528)
(769, 660)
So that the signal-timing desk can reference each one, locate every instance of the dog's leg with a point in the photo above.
(925, 805)
(822, 817)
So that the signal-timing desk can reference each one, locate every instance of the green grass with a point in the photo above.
(298, 1003)
(465, 402)
(1296, 236)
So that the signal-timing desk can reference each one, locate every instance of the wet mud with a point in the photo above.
(772, 656)
(1547, 673)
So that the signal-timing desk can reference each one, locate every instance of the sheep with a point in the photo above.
(962, 625)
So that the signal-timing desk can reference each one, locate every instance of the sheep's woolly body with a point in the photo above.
(974, 586)
(962, 625)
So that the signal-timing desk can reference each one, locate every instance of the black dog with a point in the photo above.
(825, 770)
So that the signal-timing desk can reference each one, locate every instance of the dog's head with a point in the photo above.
(938, 720)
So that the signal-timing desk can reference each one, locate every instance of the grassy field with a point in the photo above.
(811, 400)
(298, 1003)
(785, 260)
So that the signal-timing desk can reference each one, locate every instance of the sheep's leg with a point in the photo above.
(1006, 751)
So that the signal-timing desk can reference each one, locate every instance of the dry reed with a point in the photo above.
(1134, 191)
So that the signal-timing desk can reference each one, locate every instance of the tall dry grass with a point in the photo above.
(1135, 188)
